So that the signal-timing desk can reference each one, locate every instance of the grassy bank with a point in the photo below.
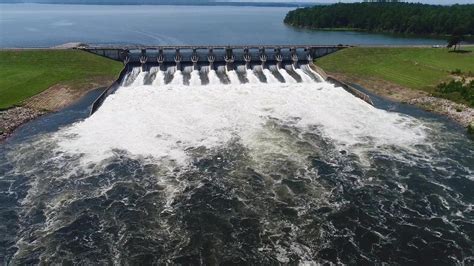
(25, 73)
(413, 68)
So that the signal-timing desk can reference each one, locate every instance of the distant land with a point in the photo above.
(165, 2)
(400, 18)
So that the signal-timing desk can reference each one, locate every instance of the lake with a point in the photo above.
(41, 25)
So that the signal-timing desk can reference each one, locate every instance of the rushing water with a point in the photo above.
(254, 173)
(33, 25)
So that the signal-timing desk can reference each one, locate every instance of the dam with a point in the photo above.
(226, 64)
(240, 53)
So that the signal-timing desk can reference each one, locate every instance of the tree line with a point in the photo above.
(405, 18)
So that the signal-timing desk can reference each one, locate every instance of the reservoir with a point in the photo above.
(35, 25)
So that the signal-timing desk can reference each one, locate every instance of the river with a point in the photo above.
(293, 172)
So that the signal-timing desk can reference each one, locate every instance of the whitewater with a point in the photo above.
(165, 121)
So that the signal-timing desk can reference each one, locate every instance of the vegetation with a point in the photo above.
(414, 68)
(470, 129)
(456, 38)
(406, 18)
(457, 90)
(29, 72)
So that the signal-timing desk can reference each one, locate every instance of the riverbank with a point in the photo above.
(51, 100)
(12, 118)
(36, 82)
(408, 75)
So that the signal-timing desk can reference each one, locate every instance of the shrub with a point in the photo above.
(456, 72)
(457, 91)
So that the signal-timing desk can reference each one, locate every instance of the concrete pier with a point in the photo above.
(225, 54)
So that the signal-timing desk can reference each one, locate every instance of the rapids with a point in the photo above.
(172, 169)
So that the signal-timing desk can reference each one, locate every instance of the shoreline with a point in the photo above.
(52, 100)
(443, 37)
(13, 118)
(457, 112)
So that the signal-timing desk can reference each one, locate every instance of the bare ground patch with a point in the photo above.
(61, 95)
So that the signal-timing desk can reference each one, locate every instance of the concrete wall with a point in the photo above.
(134, 53)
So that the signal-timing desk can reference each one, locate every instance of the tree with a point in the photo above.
(401, 17)
(454, 41)
(456, 38)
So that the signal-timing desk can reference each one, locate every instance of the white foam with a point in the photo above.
(131, 75)
(177, 78)
(319, 77)
(159, 79)
(233, 77)
(195, 80)
(140, 79)
(213, 78)
(303, 75)
(164, 122)
(270, 77)
(251, 77)
(286, 76)
(311, 73)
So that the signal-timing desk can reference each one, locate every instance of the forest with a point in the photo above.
(403, 18)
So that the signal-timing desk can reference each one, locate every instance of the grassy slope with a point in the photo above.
(415, 68)
(26, 73)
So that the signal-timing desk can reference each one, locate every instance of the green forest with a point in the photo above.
(404, 18)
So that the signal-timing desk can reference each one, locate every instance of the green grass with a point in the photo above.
(25, 73)
(415, 68)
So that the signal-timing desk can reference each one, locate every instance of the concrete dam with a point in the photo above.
(146, 65)
(212, 54)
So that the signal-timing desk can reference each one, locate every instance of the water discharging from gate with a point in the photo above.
(259, 166)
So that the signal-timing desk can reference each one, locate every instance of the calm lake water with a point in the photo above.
(33, 25)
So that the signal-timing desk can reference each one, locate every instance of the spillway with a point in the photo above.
(137, 77)
(237, 164)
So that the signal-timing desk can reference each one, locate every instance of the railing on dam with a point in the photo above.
(212, 53)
